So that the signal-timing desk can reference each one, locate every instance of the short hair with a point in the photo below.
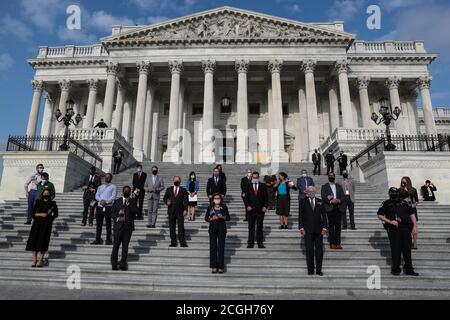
(154, 167)
(109, 174)
(126, 187)
(174, 177)
(283, 174)
(139, 165)
(39, 165)
(93, 168)
(216, 194)
(428, 181)
(255, 172)
(44, 175)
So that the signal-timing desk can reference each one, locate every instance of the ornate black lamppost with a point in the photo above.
(387, 116)
(225, 103)
(67, 120)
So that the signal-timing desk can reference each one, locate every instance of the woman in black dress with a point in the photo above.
(409, 194)
(192, 186)
(217, 215)
(283, 199)
(44, 212)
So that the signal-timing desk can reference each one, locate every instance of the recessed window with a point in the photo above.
(166, 109)
(197, 109)
(254, 108)
(285, 108)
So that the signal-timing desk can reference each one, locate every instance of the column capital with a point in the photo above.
(393, 82)
(209, 65)
(275, 65)
(308, 66)
(37, 85)
(93, 84)
(143, 67)
(49, 97)
(341, 66)
(65, 85)
(424, 82)
(112, 68)
(176, 66)
(242, 65)
(362, 82)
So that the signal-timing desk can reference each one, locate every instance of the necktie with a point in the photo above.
(92, 179)
(216, 180)
(176, 192)
(255, 188)
(312, 203)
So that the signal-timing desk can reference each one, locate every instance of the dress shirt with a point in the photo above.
(106, 192)
(33, 181)
(333, 188)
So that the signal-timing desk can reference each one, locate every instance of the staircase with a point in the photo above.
(278, 270)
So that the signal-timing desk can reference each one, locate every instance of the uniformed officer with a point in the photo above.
(399, 221)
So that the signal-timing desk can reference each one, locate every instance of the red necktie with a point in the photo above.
(176, 192)
(255, 189)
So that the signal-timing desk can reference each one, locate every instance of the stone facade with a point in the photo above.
(290, 86)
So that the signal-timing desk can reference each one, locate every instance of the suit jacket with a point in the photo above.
(256, 201)
(130, 211)
(95, 183)
(330, 159)
(212, 188)
(316, 158)
(288, 190)
(326, 191)
(139, 182)
(218, 226)
(343, 160)
(244, 182)
(178, 204)
(301, 185)
(351, 189)
(313, 221)
(158, 186)
(424, 192)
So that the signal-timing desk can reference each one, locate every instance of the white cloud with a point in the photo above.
(103, 21)
(77, 36)
(11, 27)
(346, 9)
(390, 5)
(43, 13)
(162, 5)
(156, 19)
(6, 62)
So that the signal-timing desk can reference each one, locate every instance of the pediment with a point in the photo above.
(228, 25)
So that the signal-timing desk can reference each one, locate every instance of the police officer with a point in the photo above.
(399, 221)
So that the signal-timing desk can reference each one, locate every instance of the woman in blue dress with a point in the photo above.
(283, 199)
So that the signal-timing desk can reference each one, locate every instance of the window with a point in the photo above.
(166, 109)
(197, 108)
(84, 110)
(254, 108)
(285, 109)
(226, 109)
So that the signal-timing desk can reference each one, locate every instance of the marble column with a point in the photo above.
(112, 69)
(362, 83)
(411, 104)
(120, 101)
(424, 84)
(155, 135)
(277, 129)
(139, 117)
(334, 104)
(46, 129)
(35, 106)
(127, 115)
(341, 68)
(393, 83)
(302, 140)
(148, 118)
(208, 154)
(65, 86)
(308, 67)
(92, 100)
(172, 153)
(242, 152)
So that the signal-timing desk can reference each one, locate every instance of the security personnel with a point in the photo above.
(399, 221)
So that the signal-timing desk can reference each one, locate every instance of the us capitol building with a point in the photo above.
(291, 86)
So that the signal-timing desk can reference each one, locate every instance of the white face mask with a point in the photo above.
(255, 180)
(192, 177)
(40, 170)
(139, 170)
(44, 181)
(304, 174)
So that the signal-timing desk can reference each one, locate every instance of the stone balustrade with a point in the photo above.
(73, 51)
(387, 47)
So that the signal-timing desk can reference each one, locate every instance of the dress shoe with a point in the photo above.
(149, 226)
(96, 242)
(108, 243)
(353, 228)
(83, 224)
(91, 224)
(214, 271)
(395, 273)
(310, 273)
(173, 245)
(319, 273)
(153, 226)
(184, 245)
(281, 227)
(27, 222)
(339, 247)
(411, 273)
(220, 271)
(124, 267)
(250, 246)
(114, 267)
(333, 247)
(261, 246)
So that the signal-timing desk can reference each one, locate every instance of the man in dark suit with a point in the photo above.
(317, 161)
(329, 160)
(118, 155)
(244, 182)
(216, 184)
(90, 188)
(303, 183)
(313, 225)
(256, 204)
(123, 213)
(343, 162)
(139, 178)
(332, 198)
(176, 199)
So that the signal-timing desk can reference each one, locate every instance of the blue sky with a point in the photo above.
(27, 24)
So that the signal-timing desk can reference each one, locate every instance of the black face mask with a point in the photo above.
(155, 172)
(92, 172)
(46, 197)
(126, 194)
(331, 179)
(394, 197)
(176, 183)
(345, 175)
(403, 184)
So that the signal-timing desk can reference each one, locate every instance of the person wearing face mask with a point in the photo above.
(244, 182)
(317, 161)
(118, 155)
(270, 180)
(90, 187)
(176, 199)
(31, 190)
(283, 199)
(123, 213)
(216, 184)
(221, 173)
(329, 160)
(192, 186)
(332, 196)
(428, 190)
(256, 205)
(139, 178)
(154, 185)
(303, 183)
(399, 221)
(217, 214)
(409, 194)
(348, 201)
(45, 185)
(105, 196)
(45, 211)
(313, 225)
(343, 162)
